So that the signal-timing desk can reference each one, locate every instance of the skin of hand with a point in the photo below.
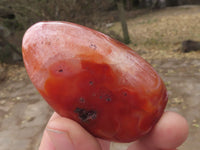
(65, 134)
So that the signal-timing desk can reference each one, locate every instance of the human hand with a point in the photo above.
(65, 134)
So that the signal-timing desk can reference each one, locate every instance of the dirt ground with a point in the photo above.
(24, 114)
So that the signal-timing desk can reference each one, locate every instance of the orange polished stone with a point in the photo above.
(97, 81)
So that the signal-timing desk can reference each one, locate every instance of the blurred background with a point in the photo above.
(164, 32)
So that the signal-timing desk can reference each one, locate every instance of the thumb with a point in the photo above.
(65, 134)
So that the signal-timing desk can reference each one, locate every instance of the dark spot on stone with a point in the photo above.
(105, 94)
(85, 115)
(82, 100)
(91, 82)
(93, 46)
(60, 70)
(77, 110)
(108, 99)
(124, 93)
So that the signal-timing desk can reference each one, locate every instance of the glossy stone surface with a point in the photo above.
(97, 81)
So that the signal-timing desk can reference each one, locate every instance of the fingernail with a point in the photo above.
(60, 139)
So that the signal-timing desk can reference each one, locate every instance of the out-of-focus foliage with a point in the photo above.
(17, 15)
(27, 12)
